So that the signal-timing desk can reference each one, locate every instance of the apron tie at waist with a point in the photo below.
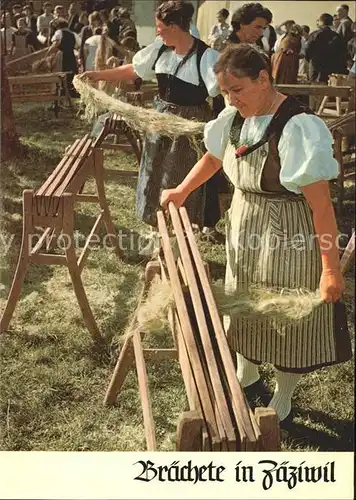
(276, 196)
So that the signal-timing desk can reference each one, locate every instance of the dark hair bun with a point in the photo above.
(188, 9)
(176, 12)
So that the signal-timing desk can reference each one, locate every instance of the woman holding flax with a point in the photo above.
(183, 66)
(278, 155)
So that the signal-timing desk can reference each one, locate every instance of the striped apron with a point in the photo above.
(271, 243)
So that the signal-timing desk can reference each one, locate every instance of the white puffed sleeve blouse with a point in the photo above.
(305, 146)
(168, 62)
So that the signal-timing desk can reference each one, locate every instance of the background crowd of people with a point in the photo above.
(86, 36)
(295, 51)
(82, 38)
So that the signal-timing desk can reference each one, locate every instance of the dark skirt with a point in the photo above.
(285, 67)
(165, 163)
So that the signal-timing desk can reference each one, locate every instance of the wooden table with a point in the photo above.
(313, 91)
(40, 88)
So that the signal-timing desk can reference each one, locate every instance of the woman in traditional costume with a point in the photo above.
(183, 66)
(64, 40)
(21, 40)
(285, 61)
(281, 227)
(220, 31)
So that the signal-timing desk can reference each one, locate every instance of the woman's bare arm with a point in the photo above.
(122, 73)
(53, 48)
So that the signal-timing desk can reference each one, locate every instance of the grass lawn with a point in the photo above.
(52, 379)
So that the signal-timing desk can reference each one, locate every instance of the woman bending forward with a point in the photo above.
(278, 155)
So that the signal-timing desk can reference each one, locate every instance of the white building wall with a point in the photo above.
(143, 15)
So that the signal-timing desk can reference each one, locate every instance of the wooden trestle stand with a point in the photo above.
(219, 418)
(115, 125)
(51, 209)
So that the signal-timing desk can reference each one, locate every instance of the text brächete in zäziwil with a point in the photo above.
(268, 472)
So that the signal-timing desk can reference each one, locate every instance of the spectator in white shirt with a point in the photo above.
(65, 41)
(220, 31)
(303, 63)
(336, 22)
(7, 31)
(91, 46)
(43, 23)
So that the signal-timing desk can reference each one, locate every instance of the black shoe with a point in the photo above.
(287, 423)
(257, 394)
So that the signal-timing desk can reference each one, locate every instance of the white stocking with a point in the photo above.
(247, 372)
(286, 382)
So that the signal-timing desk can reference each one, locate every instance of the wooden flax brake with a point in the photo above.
(117, 126)
(219, 418)
(39, 88)
(51, 208)
(126, 138)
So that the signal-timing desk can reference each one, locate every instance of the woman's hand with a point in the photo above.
(177, 196)
(331, 286)
(94, 76)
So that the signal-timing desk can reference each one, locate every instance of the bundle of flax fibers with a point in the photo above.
(141, 119)
(283, 308)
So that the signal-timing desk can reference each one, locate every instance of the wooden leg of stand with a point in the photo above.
(122, 368)
(75, 272)
(66, 92)
(144, 393)
(126, 359)
(338, 106)
(206, 441)
(22, 264)
(133, 142)
(268, 423)
(189, 431)
(322, 105)
(99, 179)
